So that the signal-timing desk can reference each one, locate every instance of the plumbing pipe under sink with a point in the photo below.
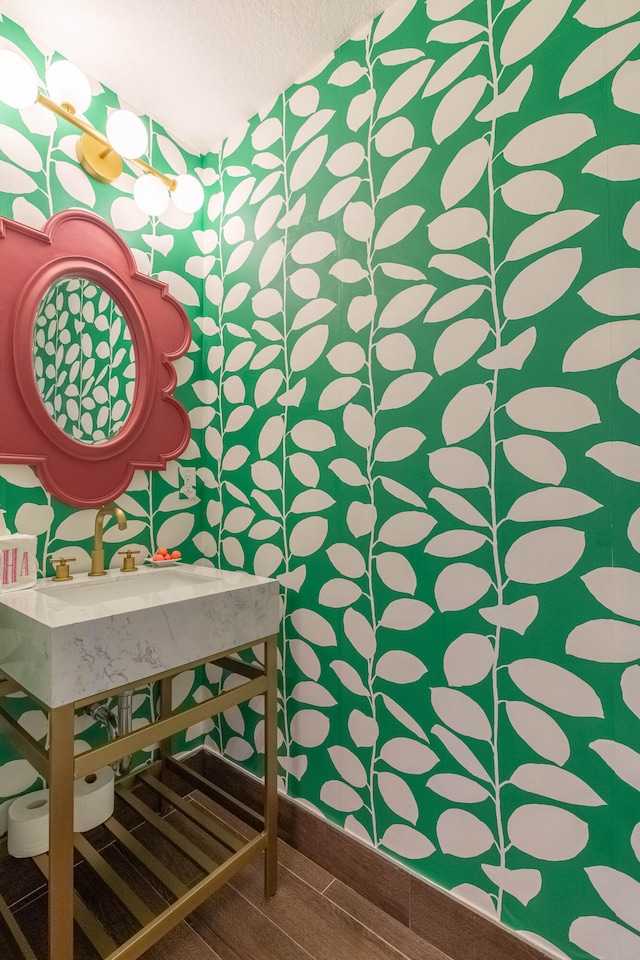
(117, 723)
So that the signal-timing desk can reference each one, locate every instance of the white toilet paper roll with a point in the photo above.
(28, 833)
(93, 800)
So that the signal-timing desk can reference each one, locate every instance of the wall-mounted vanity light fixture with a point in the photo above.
(100, 155)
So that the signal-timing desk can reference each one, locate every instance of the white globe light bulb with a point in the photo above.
(18, 81)
(188, 195)
(151, 195)
(127, 134)
(67, 84)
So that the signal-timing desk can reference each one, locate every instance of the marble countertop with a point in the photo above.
(65, 642)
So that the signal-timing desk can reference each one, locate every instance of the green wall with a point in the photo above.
(429, 288)
(414, 395)
(39, 175)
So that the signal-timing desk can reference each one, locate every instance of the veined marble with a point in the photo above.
(68, 641)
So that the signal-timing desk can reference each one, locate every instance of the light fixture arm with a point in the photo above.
(67, 114)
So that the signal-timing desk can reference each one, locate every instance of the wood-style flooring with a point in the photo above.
(314, 916)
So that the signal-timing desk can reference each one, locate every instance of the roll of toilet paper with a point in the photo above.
(28, 833)
(93, 800)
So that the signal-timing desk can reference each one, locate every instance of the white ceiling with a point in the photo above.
(198, 67)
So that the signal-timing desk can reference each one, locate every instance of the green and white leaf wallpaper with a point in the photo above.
(416, 398)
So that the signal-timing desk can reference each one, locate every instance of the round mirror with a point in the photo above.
(84, 360)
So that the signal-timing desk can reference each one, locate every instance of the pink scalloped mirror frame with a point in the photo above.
(77, 243)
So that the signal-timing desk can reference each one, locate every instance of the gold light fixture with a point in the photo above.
(99, 155)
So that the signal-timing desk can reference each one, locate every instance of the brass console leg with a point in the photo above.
(61, 833)
(271, 767)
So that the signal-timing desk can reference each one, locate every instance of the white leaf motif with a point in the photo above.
(461, 752)
(460, 585)
(460, 508)
(554, 782)
(461, 713)
(457, 228)
(618, 456)
(397, 666)
(407, 842)
(452, 68)
(555, 687)
(340, 796)
(396, 572)
(552, 409)
(403, 171)
(455, 787)
(348, 766)
(313, 627)
(549, 231)
(616, 163)
(523, 884)
(599, 58)
(404, 88)
(455, 543)
(464, 172)
(531, 27)
(405, 529)
(549, 139)
(539, 731)
(547, 833)
(551, 503)
(397, 226)
(405, 614)
(401, 714)
(459, 468)
(542, 283)
(516, 616)
(605, 641)
(406, 305)
(512, 355)
(397, 795)
(468, 660)
(603, 345)
(339, 593)
(404, 390)
(535, 191)
(459, 342)
(536, 458)
(457, 105)
(606, 13)
(510, 100)
(599, 936)
(408, 756)
(398, 444)
(616, 293)
(462, 834)
(616, 589)
(624, 761)
(544, 555)
(465, 414)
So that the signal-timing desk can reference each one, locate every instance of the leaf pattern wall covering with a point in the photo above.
(428, 294)
(415, 386)
(84, 360)
(39, 175)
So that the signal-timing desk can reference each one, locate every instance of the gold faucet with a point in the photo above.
(97, 554)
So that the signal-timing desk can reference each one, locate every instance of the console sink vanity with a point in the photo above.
(70, 644)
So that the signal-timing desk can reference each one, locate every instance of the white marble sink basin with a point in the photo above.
(65, 642)
(91, 591)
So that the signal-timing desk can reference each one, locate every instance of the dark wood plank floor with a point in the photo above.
(312, 917)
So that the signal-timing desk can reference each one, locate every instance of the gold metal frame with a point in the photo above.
(96, 155)
(60, 768)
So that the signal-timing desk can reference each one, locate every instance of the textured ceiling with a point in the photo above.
(198, 67)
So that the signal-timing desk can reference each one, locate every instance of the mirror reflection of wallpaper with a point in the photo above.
(84, 360)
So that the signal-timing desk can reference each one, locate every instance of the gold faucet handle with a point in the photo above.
(128, 564)
(62, 569)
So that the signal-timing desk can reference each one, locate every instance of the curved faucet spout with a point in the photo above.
(97, 554)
